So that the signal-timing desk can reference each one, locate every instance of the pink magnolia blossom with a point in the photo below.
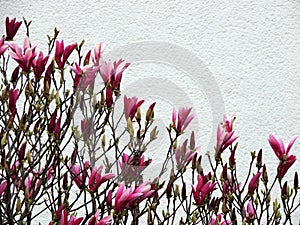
(72, 221)
(12, 26)
(86, 128)
(127, 197)
(98, 50)
(78, 174)
(111, 72)
(95, 221)
(84, 76)
(51, 124)
(282, 153)
(39, 64)
(3, 186)
(109, 96)
(12, 99)
(202, 189)
(23, 57)
(181, 119)
(218, 221)
(184, 154)
(253, 184)
(130, 106)
(96, 179)
(225, 135)
(3, 46)
(62, 54)
(57, 129)
(31, 183)
(249, 213)
(132, 167)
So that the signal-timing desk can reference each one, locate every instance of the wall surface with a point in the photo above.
(239, 57)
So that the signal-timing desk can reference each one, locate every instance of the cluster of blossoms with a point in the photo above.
(49, 166)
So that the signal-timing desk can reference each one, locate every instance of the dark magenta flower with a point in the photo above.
(253, 184)
(39, 64)
(12, 26)
(12, 99)
(203, 189)
(62, 54)
(96, 179)
(94, 220)
(282, 153)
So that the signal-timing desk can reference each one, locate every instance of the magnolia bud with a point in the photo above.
(150, 112)
(259, 159)
(183, 191)
(28, 156)
(138, 114)
(18, 206)
(65, 181)
(296, 183)
(130, 127)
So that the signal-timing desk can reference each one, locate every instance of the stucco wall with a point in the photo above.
(217, 56)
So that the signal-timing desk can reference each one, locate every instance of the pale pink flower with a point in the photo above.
(95, 221)
(249, 213)
(218, 221)
(181, 119)
(3, 46)
(23, 57)
(84, 76)
(130, 106)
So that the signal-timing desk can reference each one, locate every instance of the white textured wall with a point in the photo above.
(248, 52)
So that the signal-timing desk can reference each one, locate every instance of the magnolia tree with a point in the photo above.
(62, 158)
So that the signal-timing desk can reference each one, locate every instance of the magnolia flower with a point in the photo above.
(218, 220)
(39, 64)
(79, 175)
(62, 54)
(12, 26)
(95, 221)
(96, 179)
(249, 213)
(253, 184)
(130, 106)
(127, 197)
(57, 129)
(3, 46)
(72, 221)
(282, 153)
(31, 183)
(202, 189)
(84, 76)
(3, 186)
(181, 119)
(12, 99)
(98, 50)
(111, 72)
(23, 57)
(132, 167)
(225, 135)
(86, 128)
(184, 154)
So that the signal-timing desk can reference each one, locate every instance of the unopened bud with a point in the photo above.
(28, 156)
(18, 206)
(183, 191)
(259, 159)
(130, 127)
(65, 182)
(296, 182)
(27, 195)
(150, 112)
(138, 114)
(57, 100)
(3, 140)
